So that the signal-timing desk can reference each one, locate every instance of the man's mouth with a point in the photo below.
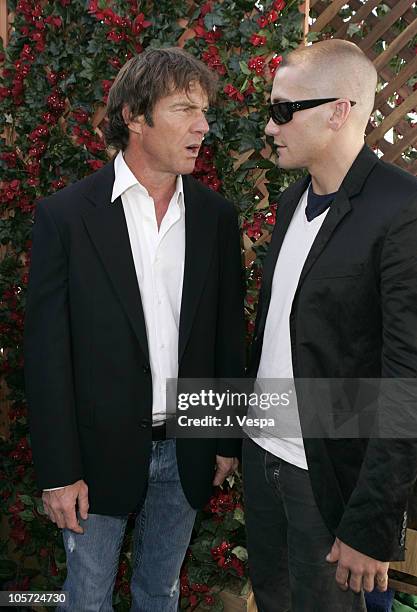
(193, 148)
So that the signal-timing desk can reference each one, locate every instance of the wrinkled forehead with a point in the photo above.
(292, 83)
(194, 93)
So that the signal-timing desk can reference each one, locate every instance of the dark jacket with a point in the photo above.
(88, 378)
(354, 315)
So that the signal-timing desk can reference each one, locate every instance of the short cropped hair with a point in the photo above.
(145, 79)
(337, 67)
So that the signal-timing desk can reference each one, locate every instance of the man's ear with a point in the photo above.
(340, 114)
(133, 124)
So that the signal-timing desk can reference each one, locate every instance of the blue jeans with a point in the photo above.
(161, 537)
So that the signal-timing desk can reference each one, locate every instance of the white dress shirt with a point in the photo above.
(159, 263)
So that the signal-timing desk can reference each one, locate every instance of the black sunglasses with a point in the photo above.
(282, 112)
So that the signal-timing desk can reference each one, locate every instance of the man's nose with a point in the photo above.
(201, 125)
(271, 128)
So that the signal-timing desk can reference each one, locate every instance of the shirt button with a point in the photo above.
(144, 423)
(146, 369)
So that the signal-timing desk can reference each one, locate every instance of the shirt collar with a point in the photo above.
(124, 179)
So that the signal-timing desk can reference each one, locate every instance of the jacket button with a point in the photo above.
(144, 423)
(146, 368)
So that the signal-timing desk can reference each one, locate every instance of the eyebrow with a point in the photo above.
(186, 104)
(276, 99)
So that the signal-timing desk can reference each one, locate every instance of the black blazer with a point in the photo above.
(88, 378)
(354, 315)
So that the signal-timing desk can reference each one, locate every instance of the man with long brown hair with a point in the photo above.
(135, 278)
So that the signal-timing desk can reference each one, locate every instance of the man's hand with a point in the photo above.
(364, 571)
(60, 505)
(224, 467)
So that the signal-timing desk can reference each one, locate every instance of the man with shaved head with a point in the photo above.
(326, 513)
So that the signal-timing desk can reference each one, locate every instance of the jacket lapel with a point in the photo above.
(287, 206)
(341, 206)
(338, 210)
(200, 225)
(106, 224)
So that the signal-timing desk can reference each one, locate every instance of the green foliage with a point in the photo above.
(57, 71)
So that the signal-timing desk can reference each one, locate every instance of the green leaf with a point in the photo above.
(201, 550)
(218, 606)
(209, 525)
(71, 80)
(88, 68)
(231, 480)
(313, 36)
(27, 500)
(248, 141)
(39, 507)
(240, 552)
(246, 589)
(256, 163)
(244, 68)
(353, 28)
(199, 574)
(213, 19)
(244, 85)
(247, 28)
(27, 515)
(239, 515)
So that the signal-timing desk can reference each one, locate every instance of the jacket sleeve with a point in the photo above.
(374, 521)
(230, 340)
(48, 359)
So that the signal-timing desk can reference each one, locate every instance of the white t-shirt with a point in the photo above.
(276, 358)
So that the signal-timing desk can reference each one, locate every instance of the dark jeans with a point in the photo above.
(288, 540)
